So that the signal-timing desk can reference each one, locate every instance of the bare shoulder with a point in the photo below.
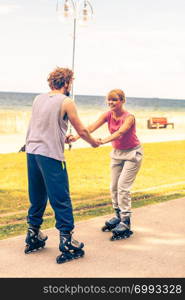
(130, 118)
(68, 100)
(104, 115)
(37, 97)
(68, 103)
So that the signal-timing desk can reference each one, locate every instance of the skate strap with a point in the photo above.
(126, 226)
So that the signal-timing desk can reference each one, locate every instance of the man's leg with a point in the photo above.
(37, 192)
(56, 180)
(35, 239)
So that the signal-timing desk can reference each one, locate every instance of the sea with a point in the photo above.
(23, 102)
(15, 112)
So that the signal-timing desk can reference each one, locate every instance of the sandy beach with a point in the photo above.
(13, 142)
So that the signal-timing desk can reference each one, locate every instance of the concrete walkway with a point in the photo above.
(156, 249)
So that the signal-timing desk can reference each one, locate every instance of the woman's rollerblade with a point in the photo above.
(112, 223)
(122, 230)
(70, 248)
(35, 240)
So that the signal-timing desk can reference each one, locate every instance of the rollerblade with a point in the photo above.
(122, 230)
(70, 248)
(35, 240)
(112, 223)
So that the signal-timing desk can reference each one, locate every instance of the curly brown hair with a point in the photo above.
(116, 93)
(59, 77)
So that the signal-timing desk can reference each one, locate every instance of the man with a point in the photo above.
(47, 174)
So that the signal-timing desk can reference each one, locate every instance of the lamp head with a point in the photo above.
(86, 13)
(65, 9)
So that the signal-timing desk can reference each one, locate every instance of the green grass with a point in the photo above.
(161, 178)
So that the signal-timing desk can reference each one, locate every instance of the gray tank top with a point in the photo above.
(47, 129)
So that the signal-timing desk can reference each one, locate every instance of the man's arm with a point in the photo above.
(122, 130)
(69, 108)
(91, 128)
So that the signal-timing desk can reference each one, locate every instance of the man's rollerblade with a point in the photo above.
(35, 239)
(70, 248)
(122, 230)
(112, 223)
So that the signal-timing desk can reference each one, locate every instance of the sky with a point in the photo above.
(135, 45)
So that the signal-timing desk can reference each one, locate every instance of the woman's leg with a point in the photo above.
(116, 169)
(125, 182)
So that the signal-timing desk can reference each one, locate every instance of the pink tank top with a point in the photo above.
(126, 141)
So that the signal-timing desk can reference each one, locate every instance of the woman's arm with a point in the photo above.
(101, 120)
(122, 130)
(91, 128)
(69, 107)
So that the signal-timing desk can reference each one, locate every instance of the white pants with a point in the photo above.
(125, 165)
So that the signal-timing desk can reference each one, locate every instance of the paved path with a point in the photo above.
(157, 249)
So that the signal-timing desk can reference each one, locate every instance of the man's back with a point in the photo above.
(47, 129)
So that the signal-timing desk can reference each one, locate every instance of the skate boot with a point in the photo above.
(112, 223)
(35, 239)
(122, 230)
(70, 248)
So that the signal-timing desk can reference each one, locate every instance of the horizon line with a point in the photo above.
(136, 97)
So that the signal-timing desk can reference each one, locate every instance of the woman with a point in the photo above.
(126, 158)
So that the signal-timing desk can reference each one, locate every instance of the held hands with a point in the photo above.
(97, 143)
(71, 138)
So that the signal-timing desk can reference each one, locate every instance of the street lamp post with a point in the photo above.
(78, 11)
